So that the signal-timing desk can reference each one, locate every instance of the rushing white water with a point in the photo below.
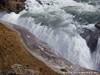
(57, 22)
(12, 17)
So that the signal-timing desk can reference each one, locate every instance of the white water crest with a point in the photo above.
(12, 17)
(53, 22)
(68, 43)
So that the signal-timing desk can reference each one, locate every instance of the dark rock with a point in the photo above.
(2, 2)
(98, 25)
(39, 2)
(12, 5)
(93, 41)
(63, 70)
(91, 38)
(42, 3)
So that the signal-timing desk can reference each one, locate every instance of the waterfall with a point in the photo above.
(57, 22)
(71, 46)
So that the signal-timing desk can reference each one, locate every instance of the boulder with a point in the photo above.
(93, 41)
(91, 38)
(12, 5)
(39, 2)
(2, 2)
(97, 25)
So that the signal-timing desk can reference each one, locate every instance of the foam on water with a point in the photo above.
(12, 17)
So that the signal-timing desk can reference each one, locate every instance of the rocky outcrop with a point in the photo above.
(12, 5)
(15, 59)
(97, 25)
(39, 2)
(91, 38)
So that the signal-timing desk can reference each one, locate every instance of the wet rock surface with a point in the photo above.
(91, 38)
(98, 25)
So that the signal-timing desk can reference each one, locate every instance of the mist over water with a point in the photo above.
(58, 22)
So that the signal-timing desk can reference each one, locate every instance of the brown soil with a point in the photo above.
(13, 52)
